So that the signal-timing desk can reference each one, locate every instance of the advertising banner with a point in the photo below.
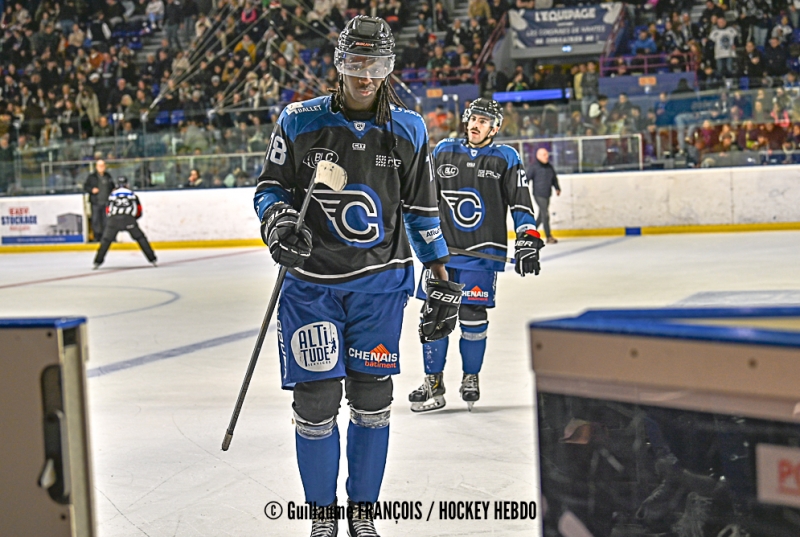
(571, 26)
(42, 220)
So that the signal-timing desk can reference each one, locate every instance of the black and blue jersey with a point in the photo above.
(361, 234)
(477, 186)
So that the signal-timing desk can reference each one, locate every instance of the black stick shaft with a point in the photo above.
(470, 253)
(262, 333)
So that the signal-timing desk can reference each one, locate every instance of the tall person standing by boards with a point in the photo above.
(479, 182)
(350, 266)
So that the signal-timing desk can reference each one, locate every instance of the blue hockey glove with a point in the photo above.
(288, 248)
(440, 311)
(526, 252)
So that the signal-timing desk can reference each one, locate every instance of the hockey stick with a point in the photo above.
(335, 177)
(481, 255)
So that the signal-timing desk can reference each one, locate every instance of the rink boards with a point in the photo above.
(670, 422)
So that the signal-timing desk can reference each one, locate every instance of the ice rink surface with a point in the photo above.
(169, 347)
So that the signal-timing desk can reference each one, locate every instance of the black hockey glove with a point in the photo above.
(288, 248)
(526, 252)
(440, 311)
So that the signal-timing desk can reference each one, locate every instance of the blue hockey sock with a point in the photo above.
(434, 356)
(473, 347)
(318, 452)
(367, 444)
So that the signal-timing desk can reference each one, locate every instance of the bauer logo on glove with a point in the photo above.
(288, 247)
(440, 311)
(526, 252)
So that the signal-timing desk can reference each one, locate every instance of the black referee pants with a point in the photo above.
(114, 225)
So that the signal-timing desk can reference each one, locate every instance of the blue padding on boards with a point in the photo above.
(633, 231)
(665, 323)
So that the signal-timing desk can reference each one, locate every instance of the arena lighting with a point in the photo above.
(566, 48)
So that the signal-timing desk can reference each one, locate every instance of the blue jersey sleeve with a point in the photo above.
(275, 181)
(517, 192)
(425, 235)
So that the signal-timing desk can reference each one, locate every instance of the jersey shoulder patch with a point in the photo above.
(410, 126)
(297, 117)
(509, 154)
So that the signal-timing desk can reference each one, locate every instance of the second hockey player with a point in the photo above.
(478, 182)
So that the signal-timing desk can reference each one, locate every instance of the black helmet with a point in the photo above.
(368, 36)
(122, 181)
(484, 107)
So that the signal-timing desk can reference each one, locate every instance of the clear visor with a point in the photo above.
(362, 66)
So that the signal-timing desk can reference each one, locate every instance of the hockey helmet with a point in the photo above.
(122, 181)
(484, 107)
(365, 48)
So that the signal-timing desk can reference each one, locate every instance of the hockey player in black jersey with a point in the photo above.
(478, 182)
(122, 212)
(350, 265)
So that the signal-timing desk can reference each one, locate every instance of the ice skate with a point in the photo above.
(360, 521)
(325, 523)
(430, 395)
(470, 392)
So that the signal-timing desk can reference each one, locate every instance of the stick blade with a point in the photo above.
(332, 175)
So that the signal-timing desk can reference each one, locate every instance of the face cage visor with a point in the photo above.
(362, 66)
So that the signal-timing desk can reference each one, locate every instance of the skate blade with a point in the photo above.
(434, 403)
(470, 405)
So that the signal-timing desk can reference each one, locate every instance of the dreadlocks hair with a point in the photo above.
(386, 97)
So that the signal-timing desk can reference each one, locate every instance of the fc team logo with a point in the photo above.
(354, 215)
(466, 206)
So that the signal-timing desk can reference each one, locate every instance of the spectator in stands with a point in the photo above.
(195, 180)
(775, 57)
(517, 83)
(456, 35)
(437, 62)
(590, 84)
(724, 38)
(498, 8)
(441, 19)
(492, 80)
(173, 17)
(479, 10)
(754, 71)
(712, 10)
(577, 80)
(644, 44)
(6, 164)
(760, 23)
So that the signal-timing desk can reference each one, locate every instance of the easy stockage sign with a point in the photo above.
(563, 26)
(41, 220)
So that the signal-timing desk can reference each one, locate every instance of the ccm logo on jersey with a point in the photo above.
(359, 147)
(447, 170)
(466, 206)
(317, 154)
(316, 346)
(476, 293)
(430, 235)
(378, 354)
(354, 215)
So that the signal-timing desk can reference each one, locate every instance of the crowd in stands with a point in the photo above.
(219, 78)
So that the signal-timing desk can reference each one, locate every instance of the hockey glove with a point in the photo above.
(288, 248)
(526, 252)
(440, 311)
